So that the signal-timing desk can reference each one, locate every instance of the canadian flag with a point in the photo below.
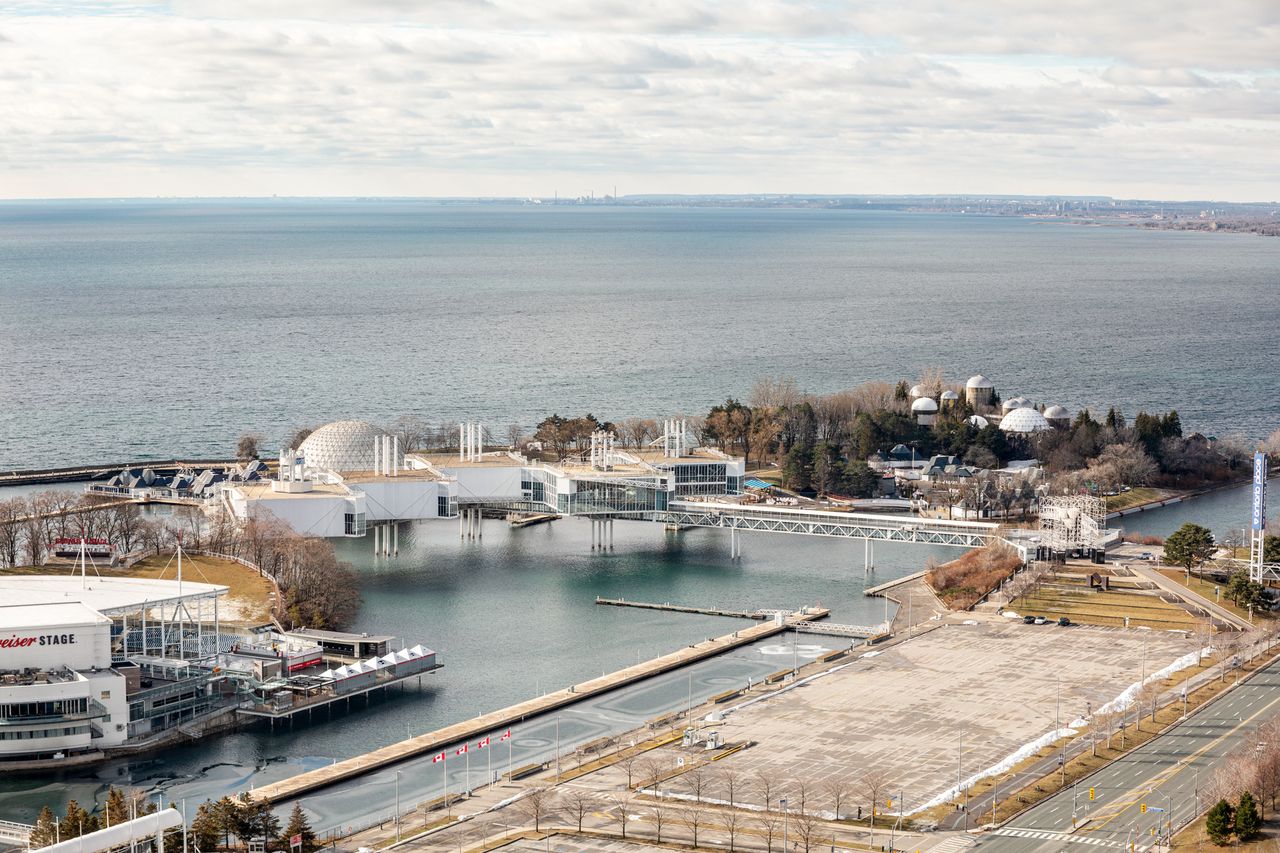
(460, 750)
(482, 744)
(435, 759)
(506, 736)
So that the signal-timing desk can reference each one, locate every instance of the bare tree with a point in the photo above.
(659, 811)
(729, 782)
(651, 772)
(300, 434)
(767, 785)
(696, 779)
(577, 803)
(628, 764)
(248, 446)
(768, 823)
(873, 783)
(799, 789)
(732, 824)
(837, 791)
(621, 810)
(805, 828)
(515, 436)
(1149, 697)
(539, 805)
(694, 817)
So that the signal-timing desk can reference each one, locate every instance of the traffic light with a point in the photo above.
(1091, 793)
(1143, 808)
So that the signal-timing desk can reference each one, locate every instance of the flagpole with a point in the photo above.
(444, 777)
(488, 757)
(468, 772)
(508, 756)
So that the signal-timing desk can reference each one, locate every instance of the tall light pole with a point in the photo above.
(782, 801)
(397, 805)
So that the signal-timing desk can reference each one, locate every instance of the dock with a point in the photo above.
(681, 608)
(529, 519)
(386, 756)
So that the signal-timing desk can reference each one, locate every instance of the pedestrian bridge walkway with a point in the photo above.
(814, 522)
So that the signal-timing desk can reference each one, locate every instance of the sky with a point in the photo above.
(1168, 99)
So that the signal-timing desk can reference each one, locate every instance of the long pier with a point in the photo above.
(359, 765)
(681, 608)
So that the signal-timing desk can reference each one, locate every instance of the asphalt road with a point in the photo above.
(1165, 774)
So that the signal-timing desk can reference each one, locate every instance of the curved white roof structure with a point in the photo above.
(917, 391)
(949, 395)
(1016, 403)
(979, 381)
(978, 421)
(1024, 420)
(1057, 413)
(924, 405)
(343, 446)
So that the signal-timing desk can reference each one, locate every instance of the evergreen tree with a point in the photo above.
(1189, 546)
(901, 392)
(45, 832)
(75, 822)
(1218, 823)
(226, 814)
(860, 480)
(1171, 425)
(1248, 820)
(1115, 420)
(258, 821)
(206, 827)
(1271, 549)
(173, 838)
(116, 808)
(298, 825)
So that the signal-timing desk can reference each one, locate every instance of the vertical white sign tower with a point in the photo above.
(1258, 519)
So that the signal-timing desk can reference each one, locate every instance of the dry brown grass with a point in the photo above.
(963, 581)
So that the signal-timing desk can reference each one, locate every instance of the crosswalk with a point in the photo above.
(1048, 835)
(954, 844)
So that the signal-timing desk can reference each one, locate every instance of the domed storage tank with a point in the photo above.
(925, 410)
(978, 390)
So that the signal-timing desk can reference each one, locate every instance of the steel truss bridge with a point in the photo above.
(847, 525)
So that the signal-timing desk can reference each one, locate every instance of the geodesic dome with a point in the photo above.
(1023, 421)
(343, 446)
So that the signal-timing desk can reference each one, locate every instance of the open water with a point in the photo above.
(145, 329)
(136, 329)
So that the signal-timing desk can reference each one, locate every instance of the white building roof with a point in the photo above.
(15, 617)
(1024, 420)
(917, 391)
(950, 395)
(1057, 413)
(105, 595)
(979, 381)
(978, 420)
(924, 404)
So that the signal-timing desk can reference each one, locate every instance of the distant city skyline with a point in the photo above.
(129, 98)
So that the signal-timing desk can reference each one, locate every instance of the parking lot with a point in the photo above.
(944, 705)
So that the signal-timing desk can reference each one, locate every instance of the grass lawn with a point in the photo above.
(1206, 588)
(1137, 496)
(250, 592)
(1104, 608)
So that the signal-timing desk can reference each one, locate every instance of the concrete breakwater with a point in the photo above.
(312, 780)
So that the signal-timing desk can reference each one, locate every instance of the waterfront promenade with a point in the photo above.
(340, 771)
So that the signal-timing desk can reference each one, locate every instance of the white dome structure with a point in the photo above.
(978, 381)
(978, 390)
(925, 410)
(1057, 414)
(949, 396)
(1024, 420)
(343, 446)
(917, 391)
(978, 421)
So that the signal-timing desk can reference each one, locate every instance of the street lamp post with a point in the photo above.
(397, 805)
(782, 801)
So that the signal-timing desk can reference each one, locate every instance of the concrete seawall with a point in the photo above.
(351, 768)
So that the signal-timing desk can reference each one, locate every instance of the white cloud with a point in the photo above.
(500, 97)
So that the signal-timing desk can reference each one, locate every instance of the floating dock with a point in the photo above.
(351, 768)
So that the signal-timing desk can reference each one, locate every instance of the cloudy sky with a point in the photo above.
(1129, 98)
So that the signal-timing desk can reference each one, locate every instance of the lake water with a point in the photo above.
(140, 329)
(143, 330)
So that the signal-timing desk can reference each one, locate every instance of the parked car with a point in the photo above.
(1040, 620)
(1146, 555)
(1063, 622)
(1027, 620)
